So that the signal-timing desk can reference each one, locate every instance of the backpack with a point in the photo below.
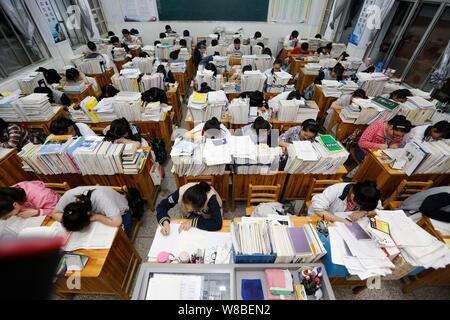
(159, 148)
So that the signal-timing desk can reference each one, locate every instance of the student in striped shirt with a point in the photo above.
(12, 136)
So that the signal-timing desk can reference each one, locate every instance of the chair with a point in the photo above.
(261, 194)
(317, 186)
(59, 188)
(404, 190)
(208, 179)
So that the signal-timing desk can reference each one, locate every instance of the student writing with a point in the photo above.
(306, 132)
(198, 202)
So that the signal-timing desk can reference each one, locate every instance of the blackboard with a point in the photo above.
(213, 10)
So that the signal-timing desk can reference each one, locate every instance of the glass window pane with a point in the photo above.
(431, 52)
(351, 20)
(412, 37)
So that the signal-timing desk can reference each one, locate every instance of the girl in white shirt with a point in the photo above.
(435, 132)
(64, 126)
(73, 75)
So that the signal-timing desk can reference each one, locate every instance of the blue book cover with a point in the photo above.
(251, 289)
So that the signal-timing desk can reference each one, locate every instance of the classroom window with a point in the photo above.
(99, 17)
(19, 48)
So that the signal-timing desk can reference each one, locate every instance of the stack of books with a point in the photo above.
(263, 62)
(197, 105)
(152, 81)
(128, 80)
(145, 65)
(220, 48)
(324, 156)
(87, 106)
(421, 93)
(152, 112)
(361, 111)
(279, 82)
(128, 105)
(104, 110)
(184, 54)
(10, 110)
(338, 49)
(150, 50)
(91, 66)
(307, 110)
(252, 81)
(288, 109)
(256, 159)
(250, 238)
(163, 51)
(352, 63)
(178, 67)
(36, 107)
(327, 63)
(222, 63)
(312, 67)
(207, 76)
(74, 87)
(133, 159)
(217, 105)
(330, 88)
(239, 110)
(389, 108)
(372, 83)
(33, 80)
(417, 110)
(348, 87)
(314, 44)
(249, 60)
(119, 54)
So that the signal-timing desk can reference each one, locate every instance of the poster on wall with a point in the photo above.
(56, 28)
(140, 10)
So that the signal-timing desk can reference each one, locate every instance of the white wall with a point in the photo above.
(60, 53)
(150, 30)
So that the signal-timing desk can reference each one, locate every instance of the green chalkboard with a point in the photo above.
(213, 10)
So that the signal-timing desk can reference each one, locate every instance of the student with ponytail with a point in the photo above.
(198, 202)
(78, 207)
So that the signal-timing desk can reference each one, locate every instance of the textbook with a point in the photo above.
(31, 81)
(222, 63)
(330, 143)
(239, 109)
(372, 83)
(417, 110)
(36, 107)
(128, 105)
(92, 66)
(278, 81)
(263, 62)
(207, 76)
(128, 80)
(252, 81)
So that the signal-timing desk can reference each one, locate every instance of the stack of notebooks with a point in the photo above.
(178, 67)
(331, 88)
(263, 62)
(251, 239)
(252, 81)
(155, 80)
(372, 83)
(222, 64)
(417, 110)
(83, 155)
(278, 82)
(422, 157)
(91, 66)
(239, 110)
(324, 156)
(36, 107)
(28, 83)
(74, 87)
(163, 51)
(128, 105)
(217, 104)
(207, 76)
(216, 152)
(312, 67)
(197, 105)
(128, 80)
(10, 110)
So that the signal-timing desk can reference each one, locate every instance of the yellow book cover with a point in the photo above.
(90, 108)
(199, 97)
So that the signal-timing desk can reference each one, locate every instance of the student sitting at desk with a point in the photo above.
(258, 48)
(169, 30)
(400, 95)
(335, 73)
(269, 73)
(291, 40)
(94, 54)
(287, 95)
(73, 75)
(189, 40)
(174, 57)
(258, 35)
(183, 44)
(197, 56)
(198, 202)
(121, 131)
(238, 75)
(27, 199)
(211, 129)
(155, 95)
(135, 32)
(302, 49)
(325, 50)
(383, 135)
(117, 44)
(168, 75)
(51, 75)
(109, 91)
(258, 131)
(306, 132)
(361, 198)
(427, 133)
(64, 126)
(12, 136)
(78, 207)
(257, 100)
(318, 36)
(235, 48)
(129, 39)
(54, 96)
(433, 203)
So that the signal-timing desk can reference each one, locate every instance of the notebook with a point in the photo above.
(279, 282)
(251, 289)
(357, 231)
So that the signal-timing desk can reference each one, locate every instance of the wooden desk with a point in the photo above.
(305, 78)
(103, 79)
(388, 179)
(136, 52)
(119, 64)
(11, 171)
(78, 97)
(141, 181)
(43, 125)
(182, 79)
(241, 182)
(233, 61)
(297, 185)
(173, 97)
(190, 69)
(340, 129)
(285, 52)
(149, 129)
(108, 271)
(322, 102)
(220, 184)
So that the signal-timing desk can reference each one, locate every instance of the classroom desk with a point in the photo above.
(43, 125)
(11, 169)
(119, 64)
(103, 79)
(235, 61)
(219, 182)
(340, 129)
(78, 97)
(136, 52)
(388, 179)
(305, 78)
(297, 185)
(107, 272)
(182, 79)
(141, 181)
(190, 69)
(173, 97)
(322, 102)
(149, 129)
(285, 52)
(267, 95)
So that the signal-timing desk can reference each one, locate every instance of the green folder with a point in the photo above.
(385, 103)
(330, 143)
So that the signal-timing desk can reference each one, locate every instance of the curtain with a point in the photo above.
(339, 6)
(88, 29)
(442, 73)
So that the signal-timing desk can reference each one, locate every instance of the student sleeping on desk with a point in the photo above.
(198, 202)
(360, 198)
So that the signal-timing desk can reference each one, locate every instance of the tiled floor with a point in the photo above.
(390, 290)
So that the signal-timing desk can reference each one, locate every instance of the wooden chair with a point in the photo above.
(261, 194)
(317, 186)
(208, 179)
(404, 190)
(59, 188)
